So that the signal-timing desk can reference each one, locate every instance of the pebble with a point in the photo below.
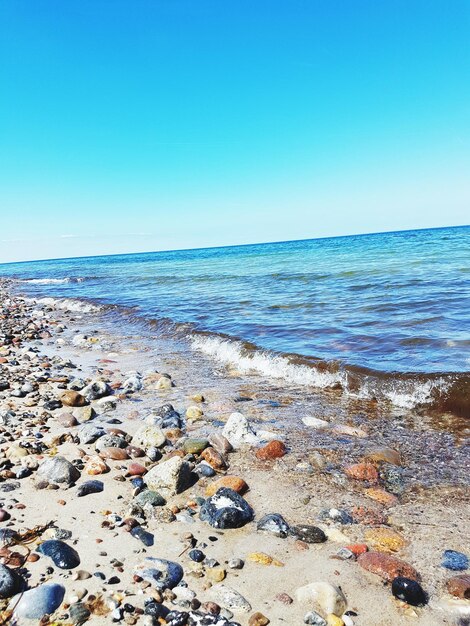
(309, 534)
(386, 566)
(258, 619)
(72, 398)
(409, 591)
(312, 617)
(226, 509)
(214, 459)
(362, 471)
(150, 497)
(149, 436)
(142, 535)
(326, 596)
(169, 477)
(238, 431)
(195, 446)
(273, 450)
(231, 599)
(232, 482)
(385, 539)
(62, 555)
(10, 582)
(274, 524)
(459, 586)
(90, 486)
(160, 573)
(454, 560)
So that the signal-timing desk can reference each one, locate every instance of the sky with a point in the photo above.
(139, 125)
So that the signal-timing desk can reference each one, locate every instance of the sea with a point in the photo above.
(381, 316)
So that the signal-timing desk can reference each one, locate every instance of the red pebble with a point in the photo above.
(273, 450)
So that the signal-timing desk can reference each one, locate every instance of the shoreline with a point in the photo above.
(311, 478)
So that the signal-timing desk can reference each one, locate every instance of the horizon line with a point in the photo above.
(239, 245)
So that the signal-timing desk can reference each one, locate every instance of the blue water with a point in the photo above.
(393, 302)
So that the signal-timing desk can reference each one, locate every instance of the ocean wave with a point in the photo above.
(66, 304)
(448, 392)
(229, 352)
(52, 281)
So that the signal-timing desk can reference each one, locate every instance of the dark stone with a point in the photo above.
(409, 591)
(62, 555)
(226, 509)
(309, 534)
(91, 486)
(204, 470)
(145, 537)
(197, 555)
(274, 524)
(10, 582)
(78, 613)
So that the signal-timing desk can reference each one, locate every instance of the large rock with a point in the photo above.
(58, 470)
(37, 602)
(169, 477)
(62, 555)
(239, 432)
(160, 573)
(327, 597)
(226, 509)
(149, 436)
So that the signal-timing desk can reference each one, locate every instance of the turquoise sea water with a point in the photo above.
(385, 305)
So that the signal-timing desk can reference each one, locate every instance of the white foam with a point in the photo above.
(51, 281)
(231, 353)
(66, 304)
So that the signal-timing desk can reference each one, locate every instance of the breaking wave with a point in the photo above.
(66, 304)
(446, 392)
(51, 281)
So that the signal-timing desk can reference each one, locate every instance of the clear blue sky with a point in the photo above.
(131, 125)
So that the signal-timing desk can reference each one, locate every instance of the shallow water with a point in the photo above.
(378, 315)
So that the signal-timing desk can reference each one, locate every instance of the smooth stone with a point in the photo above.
(37, 602)
(362, 471)
(142, 535)
(194, 413)
(62, 555)
(91, 486)
(136, 469)
(230, 598)
(204, 470)
(456, 561)
(67, 420)
(315, 422)
(150, 497)
(274, 524)
(95, 466)
(149, 436)
(89, 433)
(326, 596)
(195, 446)
(58, 470)
(169, 477)
(386, 566)
(384, 455)
(459, 586)
(239, 432)
(84, 414)
(232, 482)
(275, 449)
(72, 398)
(258, 619)
(226, 509)
(214, 459)
(409, 591)
(79, 613)
(197, 556)
(10, 582)
(307, 533)
(110, 441)
(160, 573)
(115, 454)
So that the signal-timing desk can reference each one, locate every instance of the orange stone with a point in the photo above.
(273, 450)
(362, 471)
(459, 586)
(214, 458)
(357, 548)
(381, 496)
(369, 517)
(232, 482)
(384, 455)
(95, 465)
(72, 398)
(387, 566)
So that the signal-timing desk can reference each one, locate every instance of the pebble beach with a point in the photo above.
(142, 484)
